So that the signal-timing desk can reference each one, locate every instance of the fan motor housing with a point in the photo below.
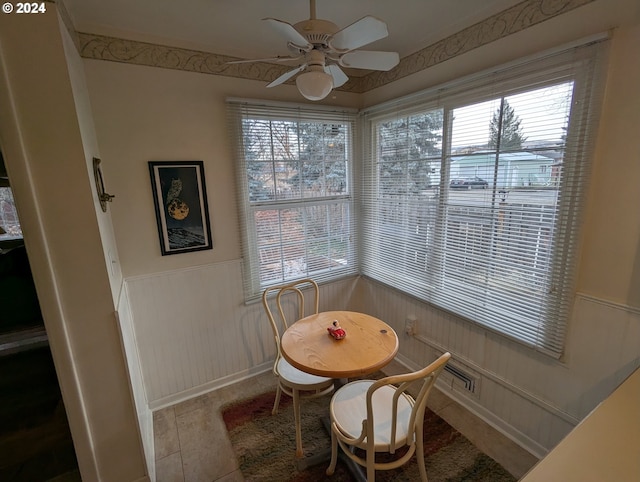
(317, 31)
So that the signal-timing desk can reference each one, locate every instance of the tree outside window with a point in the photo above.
(298, 206)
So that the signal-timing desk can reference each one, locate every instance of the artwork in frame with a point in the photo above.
(180, 199)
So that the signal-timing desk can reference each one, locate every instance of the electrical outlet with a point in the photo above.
(410, 325)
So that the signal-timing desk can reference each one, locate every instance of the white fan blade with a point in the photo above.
(272, 59)
(371, 60)
(339, 77)
(290, 33)
(286, 76)
(362, 32)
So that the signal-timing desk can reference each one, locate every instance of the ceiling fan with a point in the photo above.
(323, 48)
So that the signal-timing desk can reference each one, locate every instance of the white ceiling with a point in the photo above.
(234, 27)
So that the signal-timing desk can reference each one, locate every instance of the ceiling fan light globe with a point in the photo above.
(314, 85)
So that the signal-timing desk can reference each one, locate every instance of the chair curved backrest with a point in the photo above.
(292, 381)
(362, 407)
(279, 320)
(404, 382)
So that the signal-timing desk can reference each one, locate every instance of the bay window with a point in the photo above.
(472, 194)
(469, 196)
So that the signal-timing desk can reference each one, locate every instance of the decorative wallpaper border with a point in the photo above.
(515, 19)
(510, 21)
(100, 47)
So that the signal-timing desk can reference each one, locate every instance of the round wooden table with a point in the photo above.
(369, 345)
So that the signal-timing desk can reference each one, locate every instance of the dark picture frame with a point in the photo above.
(180, 200)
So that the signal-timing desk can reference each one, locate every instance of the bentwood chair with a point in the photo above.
(381, 416)
(293, 382)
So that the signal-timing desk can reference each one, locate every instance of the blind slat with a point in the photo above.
(472, 194)
(294, 167)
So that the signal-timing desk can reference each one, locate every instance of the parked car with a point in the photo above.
(468, 183)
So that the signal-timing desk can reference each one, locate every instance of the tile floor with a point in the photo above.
(192, 445)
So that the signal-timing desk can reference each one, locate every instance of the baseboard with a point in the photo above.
(485, 415)
(208, 387)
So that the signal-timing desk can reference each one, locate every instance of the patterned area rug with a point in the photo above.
(265, 446)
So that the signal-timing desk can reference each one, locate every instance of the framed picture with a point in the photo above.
(180, 199)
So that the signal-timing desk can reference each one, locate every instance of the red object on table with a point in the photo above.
(336, 332)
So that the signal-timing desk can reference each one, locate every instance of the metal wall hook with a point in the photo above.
(103, 197)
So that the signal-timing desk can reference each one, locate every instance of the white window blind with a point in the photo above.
(472, 193)
(295, 188)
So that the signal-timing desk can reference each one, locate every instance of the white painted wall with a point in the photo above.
(144, 114)
(143, 416)
(193, 331)
(46, 138)
(91, 149)
(597, 439)
(189, 336)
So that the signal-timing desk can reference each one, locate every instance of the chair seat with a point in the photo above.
(295, 383)
(299, 379)
(349, 409)
(363, 416)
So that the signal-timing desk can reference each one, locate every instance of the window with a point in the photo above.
(295, 168)
(9, 222)
(472, 193)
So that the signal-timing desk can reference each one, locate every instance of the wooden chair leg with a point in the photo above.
(334, 454)
(296, 417)
(276, 403)
(420, 454)
(371, 460)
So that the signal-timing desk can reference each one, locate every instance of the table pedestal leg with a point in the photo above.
(354, 469)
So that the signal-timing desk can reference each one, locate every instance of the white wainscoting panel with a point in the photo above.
(130, 348)
(192, 327)
(195, 333)
(532, 398)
